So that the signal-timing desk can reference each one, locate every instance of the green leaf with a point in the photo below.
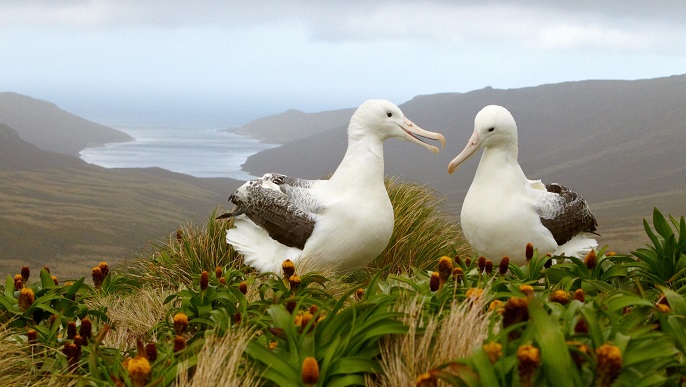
(351, 365)
(484, 367)
(661, 225)
(74, 288)
(677, 303)
(557, 362)
(348, 380)
(9, 287)
(277, 370)
(46, 279)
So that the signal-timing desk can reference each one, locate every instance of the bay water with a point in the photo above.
(199, 152)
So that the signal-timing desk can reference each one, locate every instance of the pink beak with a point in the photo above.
(472, 146)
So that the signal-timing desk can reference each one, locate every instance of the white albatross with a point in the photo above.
(503, 210)
(343, 222)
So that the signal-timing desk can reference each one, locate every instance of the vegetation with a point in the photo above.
(190, 313)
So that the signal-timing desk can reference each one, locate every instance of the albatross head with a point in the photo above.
(494, 126)
(384, 119)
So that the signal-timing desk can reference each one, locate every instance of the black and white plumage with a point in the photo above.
(343, 222)
(503, 210)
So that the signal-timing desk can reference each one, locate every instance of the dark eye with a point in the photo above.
(389, 114)
(491, 129)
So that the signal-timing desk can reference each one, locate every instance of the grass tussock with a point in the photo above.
(423, 231)
(190, 250)
(132, 316)
(15, 360)
(221, 363)
(430, 340)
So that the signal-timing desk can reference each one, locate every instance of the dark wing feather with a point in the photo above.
(275, 213)
(572, 218)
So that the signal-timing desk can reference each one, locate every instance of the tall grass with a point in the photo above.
(132, 315)
(190, 250)
(423, 231)
(221, 363)
(431, 340)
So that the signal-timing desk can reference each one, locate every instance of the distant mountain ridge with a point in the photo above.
(50, 128)
(620, 144)
(293, 125)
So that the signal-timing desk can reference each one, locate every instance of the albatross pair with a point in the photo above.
(347, 220)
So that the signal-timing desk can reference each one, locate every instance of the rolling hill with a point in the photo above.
(59, 211)
(50, 128)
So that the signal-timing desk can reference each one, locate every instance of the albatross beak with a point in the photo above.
(412, 131)
(472, 146)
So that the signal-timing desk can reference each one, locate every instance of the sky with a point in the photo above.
(223, 63)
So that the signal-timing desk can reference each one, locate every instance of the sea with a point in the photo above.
(199, 152)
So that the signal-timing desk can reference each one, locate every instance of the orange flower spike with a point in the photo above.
(529, 251)
(98, 277)
(527, 289)
(294, 282)
(86, 329)
(496, 306)
(71, 330)
(25, 273)
(457, 274)
(591, 260)
(609, 364)
(516, 310)
(104, 268)
(179, 343)
(434, 281)
(32, 336)
(529, 359)
(26, 298)
(310, 371)
(579, 295)
(139, 370)
(288, 268)
(481, 262)
(243, 287)
(180, 323)
(18, 282)
(494, 350)
(445, 268)
(204, 280)
(489, 267)
(560, 296)
(504, 265)
(151, 351)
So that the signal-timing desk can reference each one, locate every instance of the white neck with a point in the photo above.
(362, 164)
(499, 167)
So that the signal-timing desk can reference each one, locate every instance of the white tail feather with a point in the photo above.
(257, 247)
(578, 246)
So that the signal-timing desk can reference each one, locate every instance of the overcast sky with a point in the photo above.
(223, 63)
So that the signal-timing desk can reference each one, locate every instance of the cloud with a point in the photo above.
(315, 55)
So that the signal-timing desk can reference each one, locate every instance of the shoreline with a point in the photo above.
(198, 152)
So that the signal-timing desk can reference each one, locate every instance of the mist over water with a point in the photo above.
(200, 152)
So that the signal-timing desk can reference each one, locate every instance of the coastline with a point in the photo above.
(197, 152)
